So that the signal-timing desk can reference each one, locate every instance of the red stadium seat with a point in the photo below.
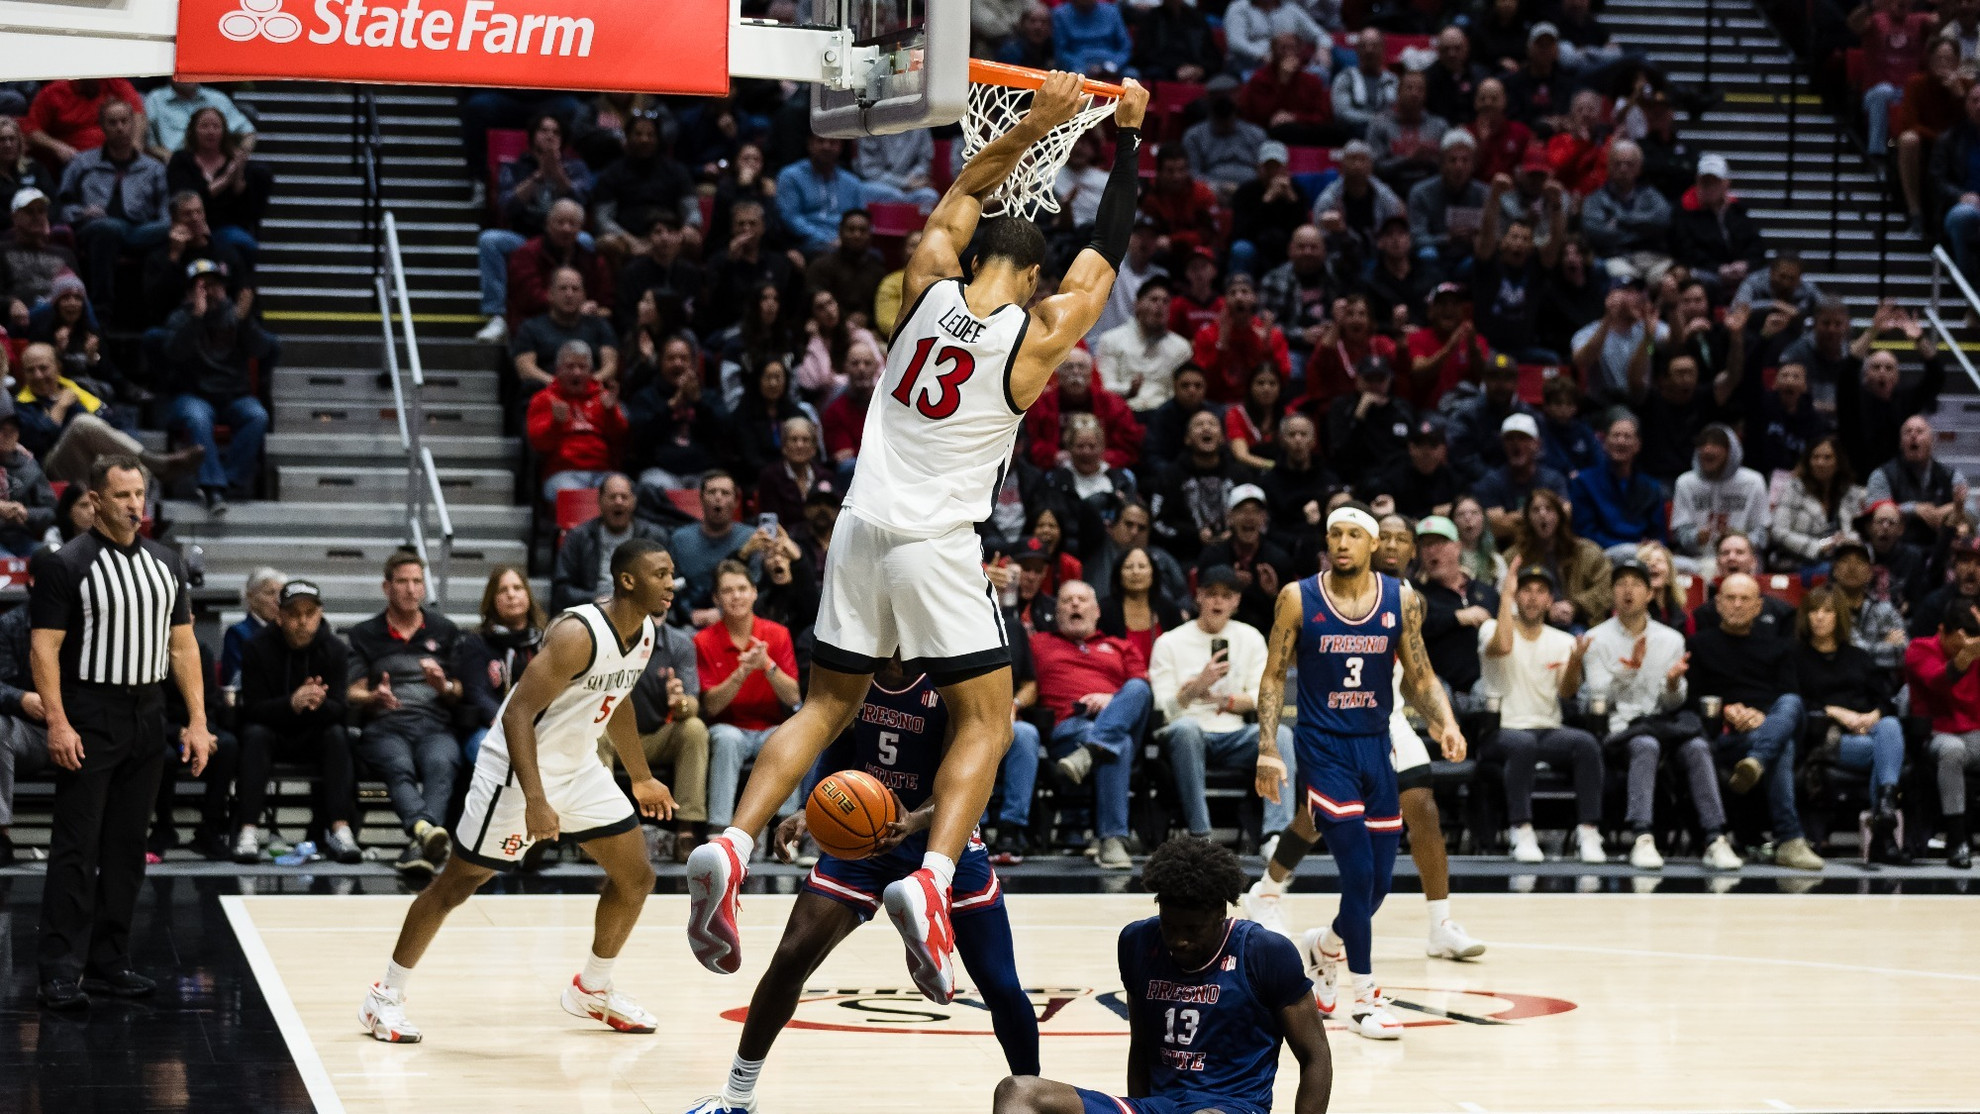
(896, 219)
(1533, 381)
(1853, 66)
(938, 174)
(1694, 591)
(1786, 587)
(576, 507)
(504, 145)
(1396, 44)
(1168, 100)
(688, 500)
(1308, 160)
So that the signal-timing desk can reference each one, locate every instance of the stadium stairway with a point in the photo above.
(335, 479)
(1839, 205)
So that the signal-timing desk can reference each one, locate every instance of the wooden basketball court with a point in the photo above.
(1585, 1002)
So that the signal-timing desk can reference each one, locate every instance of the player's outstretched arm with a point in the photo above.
(1421, 687)
(1061, 321)
(1271, 772)
(649, 793)
(953, 222)
(1306, 1037)
(566, 653)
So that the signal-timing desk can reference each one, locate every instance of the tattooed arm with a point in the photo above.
(1421, 687)
(1279, 650)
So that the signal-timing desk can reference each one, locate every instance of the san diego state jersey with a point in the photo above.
(1347, 668)
(567, 732)
(942, 421)
(897, 737)
(1214, 1032)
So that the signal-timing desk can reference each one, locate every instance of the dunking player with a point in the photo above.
(905, 570)
(539, 775)
(1349, 627)
(898, 739)
(1394, 553)
(1209, 1000)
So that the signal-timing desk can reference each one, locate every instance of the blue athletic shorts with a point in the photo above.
(1100, 1102)
(859, 882)
(1349, 778)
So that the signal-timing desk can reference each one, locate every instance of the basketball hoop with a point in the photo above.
(999, 96)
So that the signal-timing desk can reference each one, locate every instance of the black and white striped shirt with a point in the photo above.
(116, 605)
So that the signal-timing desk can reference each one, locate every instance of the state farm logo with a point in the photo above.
(1089, 1012)
(260, 19)
(408, 26)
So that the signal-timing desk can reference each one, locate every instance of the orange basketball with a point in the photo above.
(848, 812)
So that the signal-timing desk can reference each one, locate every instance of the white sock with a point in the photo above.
(1440, 911)
(942, 867)
(1332, 943)
(742, 1081)
(742, 841)
(1364, 986)
(396, 977)
(1270, 888)
(597, 974)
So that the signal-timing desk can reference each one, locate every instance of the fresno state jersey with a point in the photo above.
(898, 738)
(942, 422)
(567, 732)
(1347, 667)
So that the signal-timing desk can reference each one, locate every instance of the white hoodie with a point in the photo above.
(1706, 510)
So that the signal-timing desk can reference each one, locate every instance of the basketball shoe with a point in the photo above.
(713, 1104)
(920, 910)
(1323, 967)
(1262, 905)
(609, 1006)
(1449, 940)
(1369, 1017)
(715, 875)
(383, 1015)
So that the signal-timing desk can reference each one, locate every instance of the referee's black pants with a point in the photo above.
(96, 840)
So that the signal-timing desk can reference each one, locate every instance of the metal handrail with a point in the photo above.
(1943, 264)
(423, 488)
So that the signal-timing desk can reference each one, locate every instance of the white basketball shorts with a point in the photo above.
(589, 805)
(926, 597)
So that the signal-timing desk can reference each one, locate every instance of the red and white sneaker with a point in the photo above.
(383, 1015)
(920, 910)
(1323, 967)
(715, 876)
(1370, 1017)
(609, 1006)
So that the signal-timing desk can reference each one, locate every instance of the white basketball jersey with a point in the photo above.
(942, 421)
(567, 732)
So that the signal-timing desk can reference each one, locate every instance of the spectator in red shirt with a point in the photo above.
(1579, 152)
(1185, 206)
(1291, 104)
(748, 687)
(576, 425)
(63, 120)
(1196, 303)
(1073, 391)
(1502, 141)
(1447, 353)
(1096, 688)
(532, 266)
(1342, 344)
(845, 417)
(1239, 340)
(1894, 39)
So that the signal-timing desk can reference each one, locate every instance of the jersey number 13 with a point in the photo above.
(941, 402)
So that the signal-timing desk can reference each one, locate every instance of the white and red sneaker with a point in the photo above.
(1370, 1017)
(383, 1015)
(609, 1006)
(715, 876)
(1323, 967)
(920, 910)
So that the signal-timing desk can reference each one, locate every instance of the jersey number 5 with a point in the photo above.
(604, 709)
(962, 365)
(888, 750)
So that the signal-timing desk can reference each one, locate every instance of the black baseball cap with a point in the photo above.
(1852, 545)
(1629, 567)
(1536, 572)
(1219, 576)
(1031, 549)
(1428, 431)
(300, 590)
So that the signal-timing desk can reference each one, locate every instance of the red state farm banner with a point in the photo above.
(672, 46)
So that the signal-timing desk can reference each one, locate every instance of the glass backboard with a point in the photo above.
(908, 66)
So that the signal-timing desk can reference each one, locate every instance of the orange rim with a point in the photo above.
(985, 72)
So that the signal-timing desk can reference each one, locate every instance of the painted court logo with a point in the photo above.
(1087, 1012)
(260, 19)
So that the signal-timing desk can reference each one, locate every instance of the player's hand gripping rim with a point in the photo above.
(1270, 777)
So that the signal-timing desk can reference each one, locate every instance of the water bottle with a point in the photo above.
(195, 566)
(304, 852)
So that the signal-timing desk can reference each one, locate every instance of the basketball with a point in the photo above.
(848, 812)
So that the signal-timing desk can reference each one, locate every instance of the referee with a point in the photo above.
(110, 614)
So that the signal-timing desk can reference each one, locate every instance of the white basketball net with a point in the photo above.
(1028, 192)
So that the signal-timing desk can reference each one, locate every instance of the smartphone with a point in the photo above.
(1220, 646)
(766, 523)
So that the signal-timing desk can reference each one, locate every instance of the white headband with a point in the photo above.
(1354, 516)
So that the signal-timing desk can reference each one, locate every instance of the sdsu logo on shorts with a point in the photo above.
(512, 844)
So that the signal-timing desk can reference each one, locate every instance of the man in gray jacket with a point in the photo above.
(583, 562)
(1626, 222)
(1445, 211)
(114, 197)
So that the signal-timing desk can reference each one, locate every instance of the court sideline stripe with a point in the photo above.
(316, 1079)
